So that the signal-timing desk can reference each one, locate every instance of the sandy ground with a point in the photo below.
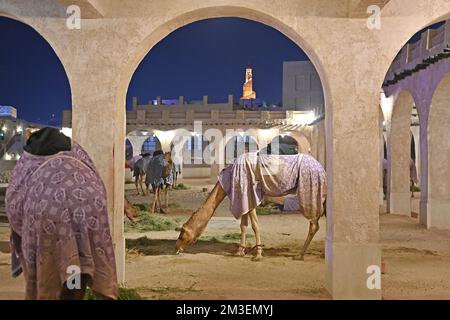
(417, 260)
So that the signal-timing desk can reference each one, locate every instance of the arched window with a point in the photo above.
(151, 145)
(128, 150)
(239, 145)
(283, 145)
(194, 148)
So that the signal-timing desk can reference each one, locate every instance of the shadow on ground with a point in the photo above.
(156, 247)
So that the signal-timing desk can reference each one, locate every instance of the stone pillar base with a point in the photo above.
(400, 203)
(120, 253)
(423, 212)
(438, 214)
(347, 270)
(381, 197)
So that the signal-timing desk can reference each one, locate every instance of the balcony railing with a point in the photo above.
(433, 46)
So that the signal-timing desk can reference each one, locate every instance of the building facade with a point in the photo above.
(302, 88)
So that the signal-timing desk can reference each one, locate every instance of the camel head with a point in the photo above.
(186, 239)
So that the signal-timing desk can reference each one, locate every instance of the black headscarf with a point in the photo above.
(47, 141)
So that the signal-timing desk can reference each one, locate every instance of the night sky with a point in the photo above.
(207, 57)
(32, 78)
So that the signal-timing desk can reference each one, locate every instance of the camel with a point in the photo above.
(129, 210)
(139, 170)
(300, 174)
(159, 175)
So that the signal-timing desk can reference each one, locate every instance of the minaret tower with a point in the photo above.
(248, 92)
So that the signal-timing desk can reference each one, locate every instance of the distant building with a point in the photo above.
(8, 111)
(302, 88)
(247, 89)
(12, 136)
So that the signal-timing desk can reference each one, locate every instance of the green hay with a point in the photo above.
(263, 211)
(142, 207)
(180, 187)
(167, 290)
(124, 294)
(150, 222)
(226, 238)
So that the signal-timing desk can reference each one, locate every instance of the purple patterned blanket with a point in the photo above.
(57, 209)
(252, 176)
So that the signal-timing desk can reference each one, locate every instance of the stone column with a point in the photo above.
(423, 130)
(137, 143)
(99, 126)
(400, 151)
(381, 148)
(438, 206)
(321, 150)
(352, 251)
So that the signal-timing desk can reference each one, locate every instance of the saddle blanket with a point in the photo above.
(254, 175)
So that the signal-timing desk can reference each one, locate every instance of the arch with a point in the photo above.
(215, 11)
(47, 38)
(128, 150)
(49, 53)
(303, 143)
(399, 155)
(413, 147)
(151, 144)
(239, 144)
(194, 150)
(435, 12)
(438, 205)
(284, 145)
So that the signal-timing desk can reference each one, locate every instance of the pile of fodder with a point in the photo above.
(146, 221)
(180, 186)
(225, 238)
(268, 210)
(124, 294)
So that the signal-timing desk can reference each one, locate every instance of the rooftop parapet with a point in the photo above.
(434, 45)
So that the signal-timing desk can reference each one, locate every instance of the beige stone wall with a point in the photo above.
(351, 60)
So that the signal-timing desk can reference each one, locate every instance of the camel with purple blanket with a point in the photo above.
(248, 180)
(56, 206)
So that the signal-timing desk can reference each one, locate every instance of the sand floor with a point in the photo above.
(417, 260)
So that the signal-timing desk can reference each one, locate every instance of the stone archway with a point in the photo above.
(128, 150)
(345, 237)
(438, 207)
(151, 144)
(351, 77)
(239, 144)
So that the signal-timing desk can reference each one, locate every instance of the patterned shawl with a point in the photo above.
(56, 206)
(154, 172)
(254, 175)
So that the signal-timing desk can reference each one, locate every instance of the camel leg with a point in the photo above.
(141, 182)
(160, 191)
(136, 181)
(244, 224)
(313, 228)
(257, 231)
(155, 199)
(166, 196)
